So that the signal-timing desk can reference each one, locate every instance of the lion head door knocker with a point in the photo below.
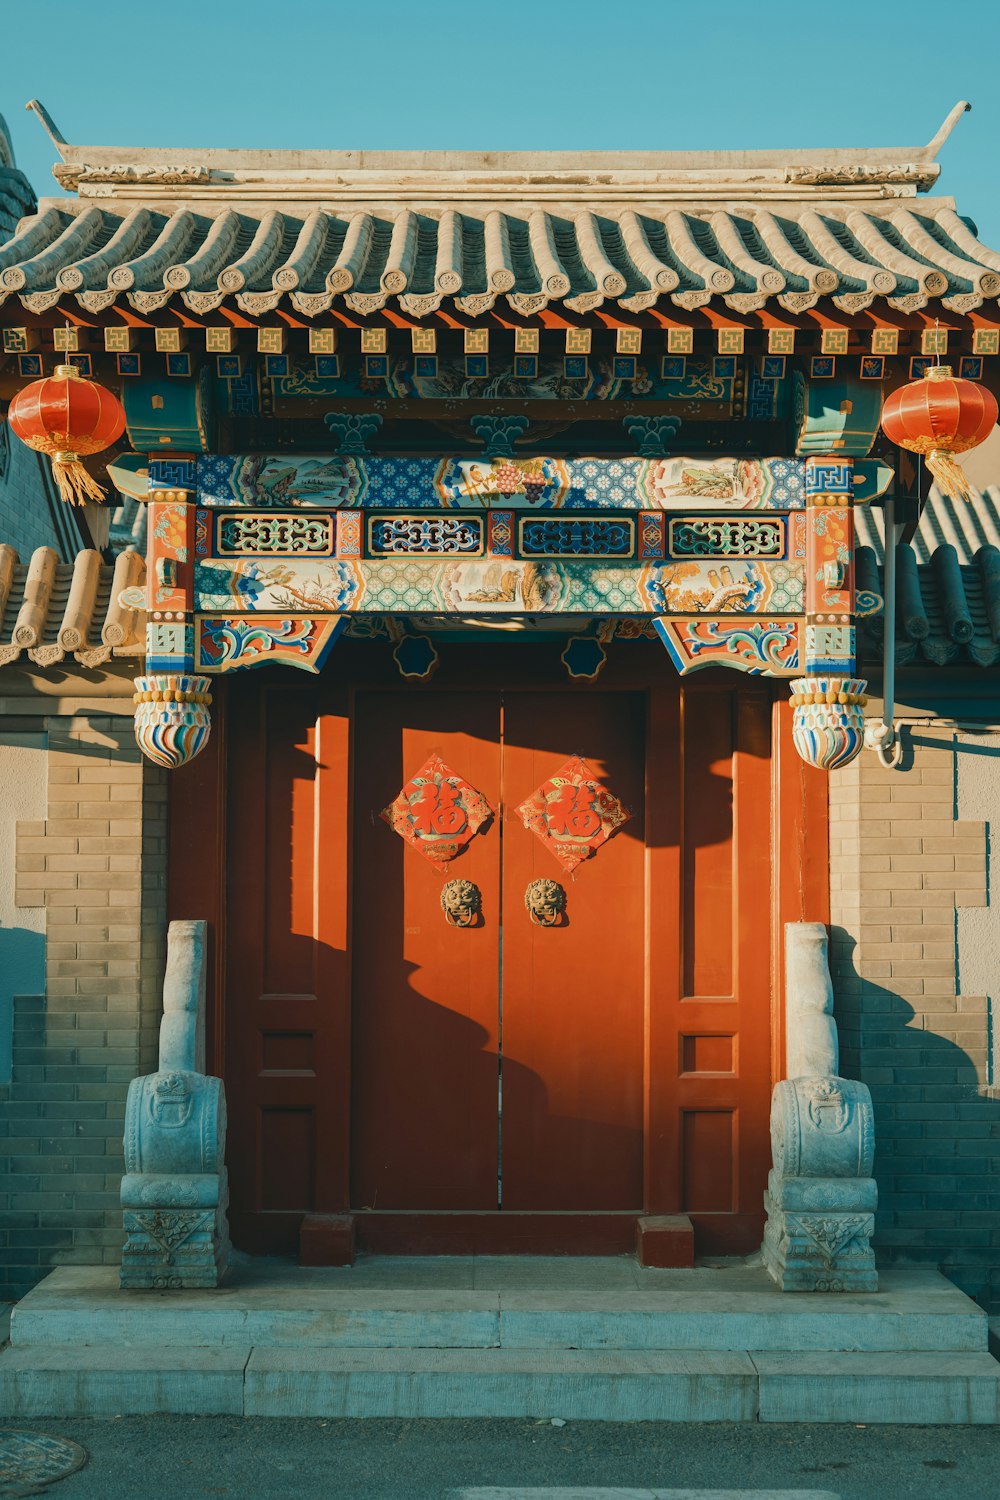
(546, 902)
(461, 903)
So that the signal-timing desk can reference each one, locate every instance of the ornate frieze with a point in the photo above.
(741, 562)
(642, 536)
(405, 585)
(324, 481)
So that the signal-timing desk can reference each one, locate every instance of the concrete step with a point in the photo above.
(726, 1310)
(578, 1385)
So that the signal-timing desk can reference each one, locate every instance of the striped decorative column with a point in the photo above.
(829, 700)
(172, 719)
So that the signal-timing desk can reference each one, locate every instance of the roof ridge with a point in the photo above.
(115, 168)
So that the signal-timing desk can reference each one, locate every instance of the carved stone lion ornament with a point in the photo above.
(546, 902)
(461, 902)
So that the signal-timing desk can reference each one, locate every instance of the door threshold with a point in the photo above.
(335, 1239)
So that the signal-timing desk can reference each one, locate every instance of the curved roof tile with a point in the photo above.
(743, 256)
(51, 610)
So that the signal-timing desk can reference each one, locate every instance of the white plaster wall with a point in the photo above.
(978, 800)
(23, 796)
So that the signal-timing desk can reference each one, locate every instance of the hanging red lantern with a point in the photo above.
(68, 418)
(938, 417)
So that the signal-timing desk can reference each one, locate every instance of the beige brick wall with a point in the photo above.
(902, 866)
(97, 865)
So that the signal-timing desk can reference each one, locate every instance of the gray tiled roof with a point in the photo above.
(905, 251)
(948, 582)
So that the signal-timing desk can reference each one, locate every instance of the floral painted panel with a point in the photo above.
(726, 483)
(712, 587)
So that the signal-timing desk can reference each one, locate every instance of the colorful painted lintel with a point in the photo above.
(288, 481)
(413, 585)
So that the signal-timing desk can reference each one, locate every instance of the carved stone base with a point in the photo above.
(175, 1247)
(176, 1229)
(818, 1234)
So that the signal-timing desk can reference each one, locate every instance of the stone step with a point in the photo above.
(911, 1388)
(711, 1309)
(577, 1385)
(77, 1381)
(618, 1385)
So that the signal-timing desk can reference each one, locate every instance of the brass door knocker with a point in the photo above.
(546, 902)
(461, 903)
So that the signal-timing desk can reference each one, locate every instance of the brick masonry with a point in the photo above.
(904, 867)
(97, 864)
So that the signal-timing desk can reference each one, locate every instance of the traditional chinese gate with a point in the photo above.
(506, 1078)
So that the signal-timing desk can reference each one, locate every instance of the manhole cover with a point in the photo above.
(34, 1458)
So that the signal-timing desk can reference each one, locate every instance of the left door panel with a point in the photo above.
(288, 1043)
(426, 993)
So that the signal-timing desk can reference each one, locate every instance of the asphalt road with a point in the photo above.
(186, 1458)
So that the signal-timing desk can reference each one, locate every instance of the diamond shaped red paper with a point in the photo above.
(438, 811)
(572, 813)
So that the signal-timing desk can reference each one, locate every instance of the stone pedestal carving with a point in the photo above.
(821, 1196)
(175, 1191)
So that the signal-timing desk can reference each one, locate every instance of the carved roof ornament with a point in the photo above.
(71, 174)
(847, 176)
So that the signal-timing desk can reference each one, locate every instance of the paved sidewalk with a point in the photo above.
(189, 1458)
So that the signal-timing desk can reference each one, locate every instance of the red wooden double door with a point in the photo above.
(505, 1084)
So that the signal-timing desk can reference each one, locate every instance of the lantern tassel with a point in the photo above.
(75, 485)
(950, 475)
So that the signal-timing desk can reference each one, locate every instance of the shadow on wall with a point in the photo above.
(53, 1172)
(22, 976)
(937, 1129)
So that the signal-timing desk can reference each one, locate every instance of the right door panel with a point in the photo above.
(710, 959)
(573, 994)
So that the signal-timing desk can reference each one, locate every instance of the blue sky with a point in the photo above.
(516, 74)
